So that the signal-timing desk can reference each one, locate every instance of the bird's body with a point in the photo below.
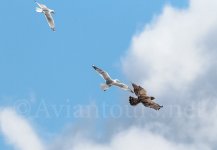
(109, 81)
(48, 14)
(143, 98)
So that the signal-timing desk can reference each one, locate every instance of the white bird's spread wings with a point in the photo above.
(50, 20)
(102, 73)
(47, 12)
(122, 86)
(110, 81)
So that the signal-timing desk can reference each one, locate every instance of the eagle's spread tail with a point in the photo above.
(134, 101)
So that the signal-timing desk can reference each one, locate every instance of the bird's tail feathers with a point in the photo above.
(104, 86)
(134, 101)
(37, 9)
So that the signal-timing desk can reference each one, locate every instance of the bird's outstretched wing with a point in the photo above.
(149, 103)
(122, 86)
(102, 73)
(50, 20)
(139, 91)
(41, 5)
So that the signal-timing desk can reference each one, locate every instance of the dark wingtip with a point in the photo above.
(94, 67)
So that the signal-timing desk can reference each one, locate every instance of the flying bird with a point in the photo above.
(109, 81)
(48, 14)
(143, 98)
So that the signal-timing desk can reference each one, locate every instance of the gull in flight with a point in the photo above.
(109, 81)
(48, 14)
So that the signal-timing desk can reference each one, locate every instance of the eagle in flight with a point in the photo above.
(143, 98)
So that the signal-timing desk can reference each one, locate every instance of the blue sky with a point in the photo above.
(38, 64)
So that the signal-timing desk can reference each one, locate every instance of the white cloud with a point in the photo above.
(171, 52)
(174, 57)
(18, 131)
(133, 138)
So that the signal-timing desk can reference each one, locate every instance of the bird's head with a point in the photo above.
(52, 11)
(134, 85)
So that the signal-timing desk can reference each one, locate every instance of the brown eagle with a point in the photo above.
(143, 98)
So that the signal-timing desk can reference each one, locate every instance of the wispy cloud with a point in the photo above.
(18, 131)
(132, 138)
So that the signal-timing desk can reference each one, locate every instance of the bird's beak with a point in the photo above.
(134, 85)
